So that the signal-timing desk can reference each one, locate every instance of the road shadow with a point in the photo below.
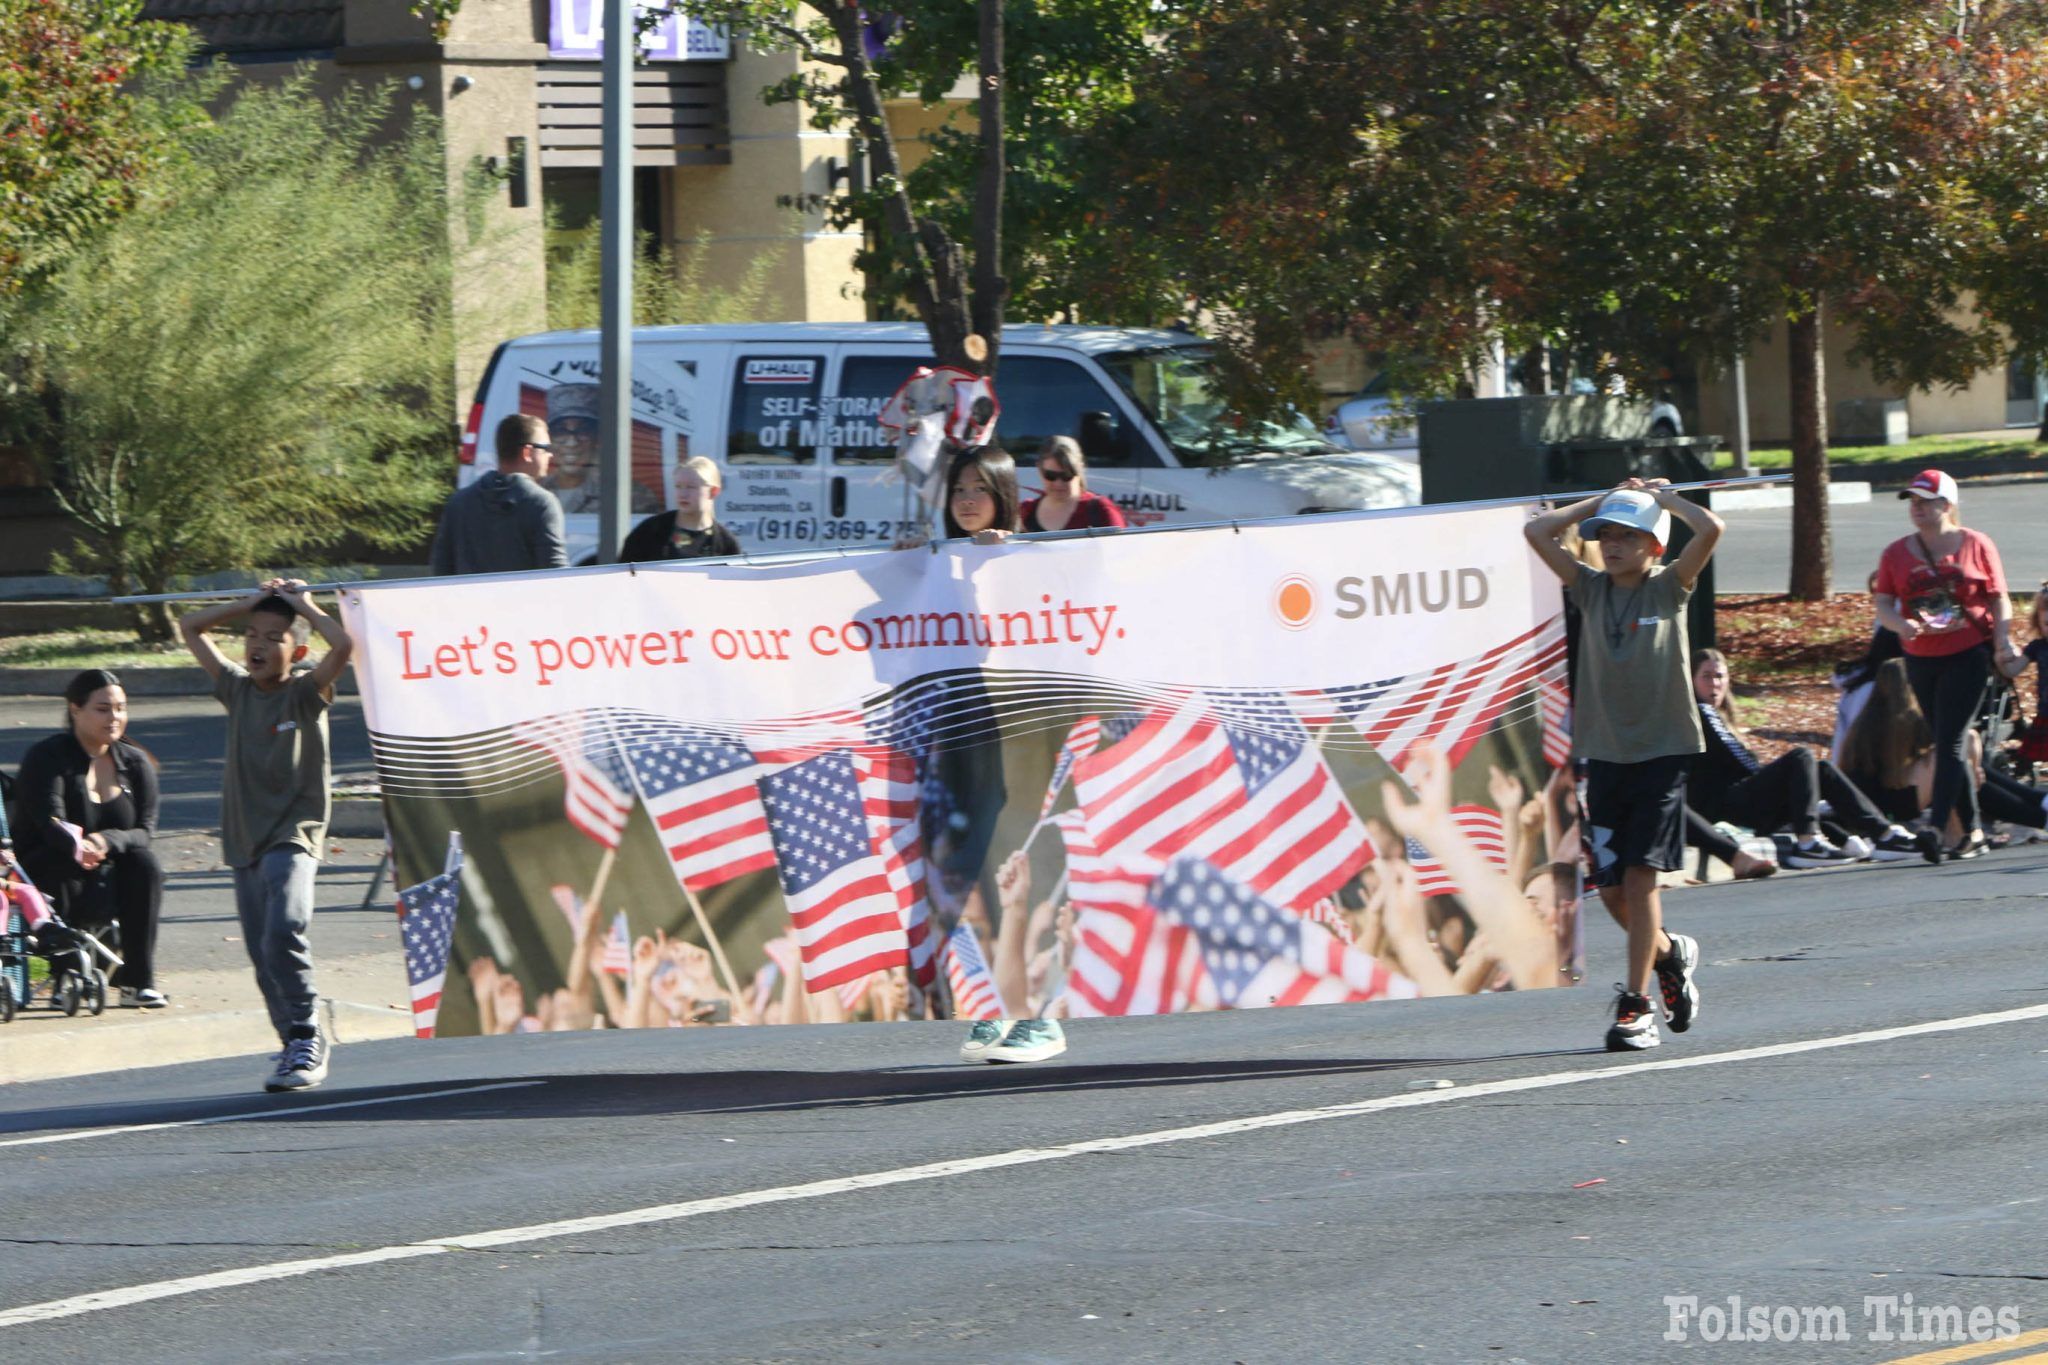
(668, 1094)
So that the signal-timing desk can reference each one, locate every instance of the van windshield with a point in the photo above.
(1175, 385)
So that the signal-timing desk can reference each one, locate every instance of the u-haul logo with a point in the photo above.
(780, 371)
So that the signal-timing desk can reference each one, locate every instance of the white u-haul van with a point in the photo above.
(788, 410)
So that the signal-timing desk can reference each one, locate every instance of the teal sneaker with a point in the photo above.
(1030, 1040)
(982, 1039)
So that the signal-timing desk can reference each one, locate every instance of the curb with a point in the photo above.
(184, 680)
(95, 1046)
(1748, 499)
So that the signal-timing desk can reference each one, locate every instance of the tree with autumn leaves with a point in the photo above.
(74, 141)
(1645, 180)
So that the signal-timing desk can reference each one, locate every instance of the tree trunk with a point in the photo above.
(990, 286)
(152, 619)
(938, 285)
(1812, 552)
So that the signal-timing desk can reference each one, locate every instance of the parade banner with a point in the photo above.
(1302, 761)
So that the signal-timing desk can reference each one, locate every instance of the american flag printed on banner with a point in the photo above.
(1080, 742)
(839, 894)
(1554, 700)
(974, 990)
(1252, 793)
(699, 788)
(1257, 954)
(853, 993)
(597, 787)
(1330, 915)
(1482, 828)
(1127, 960)
(1455, 705)
(426, 924)
(889, 800)
(617, 956)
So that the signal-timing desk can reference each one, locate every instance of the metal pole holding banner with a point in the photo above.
(615, 341)
(1086, 533)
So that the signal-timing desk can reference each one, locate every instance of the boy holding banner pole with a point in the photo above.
(1636, 726)
(275, 798)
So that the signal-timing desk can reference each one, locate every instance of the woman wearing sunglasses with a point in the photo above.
(1066, 503)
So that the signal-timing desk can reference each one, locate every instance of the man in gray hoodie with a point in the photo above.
(505, 521)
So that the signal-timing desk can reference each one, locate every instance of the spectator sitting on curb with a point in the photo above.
(1731, 783)
(275, 798)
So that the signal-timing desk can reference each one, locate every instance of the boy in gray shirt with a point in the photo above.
(1635, 725)
(274, 798)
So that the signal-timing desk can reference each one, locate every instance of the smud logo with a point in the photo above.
(1294, 601)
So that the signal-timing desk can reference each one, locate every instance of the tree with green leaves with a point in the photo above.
(1637, 179)
(959, 292)
(243, 370)
(75, 140)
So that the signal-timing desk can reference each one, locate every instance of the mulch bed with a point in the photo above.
(1783, 653)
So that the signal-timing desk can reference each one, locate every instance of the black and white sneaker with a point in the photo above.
(1974, 845)
(1674, 979)
(1896, 845)
(303, 1064)
(1815, 852)
(1635, 1023)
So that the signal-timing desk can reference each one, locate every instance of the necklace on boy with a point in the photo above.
(1615, 620)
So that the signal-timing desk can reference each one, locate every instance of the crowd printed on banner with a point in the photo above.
(474, 654)
(975, 842)
(1195, 863)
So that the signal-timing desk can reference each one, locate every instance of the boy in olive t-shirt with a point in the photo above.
(274, 798)
(1635, 725)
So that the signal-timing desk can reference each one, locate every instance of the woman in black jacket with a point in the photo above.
(1729, 782)
(90, 780)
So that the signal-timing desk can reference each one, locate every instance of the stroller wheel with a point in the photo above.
(6, 1001)
(96, 995)
(70, 994)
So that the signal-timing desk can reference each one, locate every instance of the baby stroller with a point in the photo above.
(30, 929)
(2000, 725)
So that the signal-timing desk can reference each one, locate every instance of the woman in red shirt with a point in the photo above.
(1943, 590)
(1067, 504)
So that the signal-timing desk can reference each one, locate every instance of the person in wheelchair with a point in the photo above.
(84, 818)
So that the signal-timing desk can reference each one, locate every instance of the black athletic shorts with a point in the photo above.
(1636, 812)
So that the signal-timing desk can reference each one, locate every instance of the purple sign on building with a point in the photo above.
(576, 33)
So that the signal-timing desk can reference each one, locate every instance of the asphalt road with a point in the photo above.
(1541, 1208)
(1755, 554)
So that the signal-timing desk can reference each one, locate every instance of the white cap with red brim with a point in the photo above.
(1931, 483)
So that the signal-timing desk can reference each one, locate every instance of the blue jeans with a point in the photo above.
(274, 898)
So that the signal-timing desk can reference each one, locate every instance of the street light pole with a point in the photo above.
(615, 344)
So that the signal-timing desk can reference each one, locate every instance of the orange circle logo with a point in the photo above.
(1295, 601)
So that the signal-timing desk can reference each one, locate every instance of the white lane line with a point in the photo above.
(293, 1112)
(941, 1170)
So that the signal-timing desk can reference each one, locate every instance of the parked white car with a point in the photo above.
(789, 411)
(1376, 419)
